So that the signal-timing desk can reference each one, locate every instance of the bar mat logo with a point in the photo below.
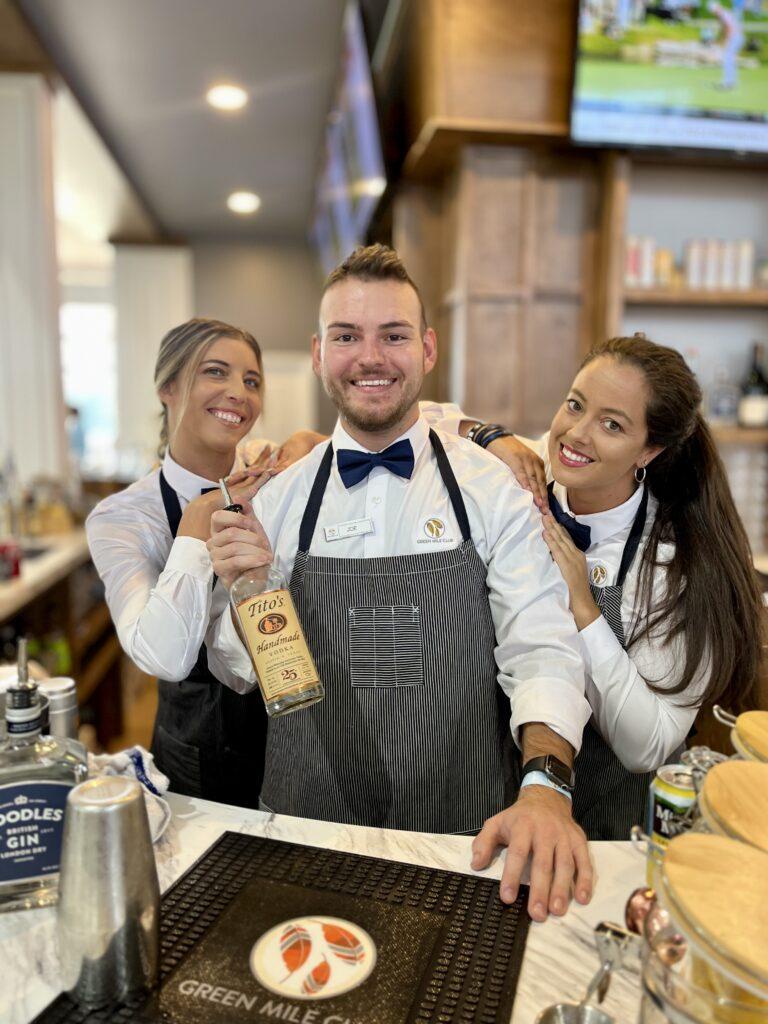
(313, 958)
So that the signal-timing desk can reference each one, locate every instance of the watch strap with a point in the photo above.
(559, 773)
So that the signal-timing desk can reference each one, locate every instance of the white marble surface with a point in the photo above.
(560, 955)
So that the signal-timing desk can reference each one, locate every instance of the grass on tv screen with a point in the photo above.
(673, 73)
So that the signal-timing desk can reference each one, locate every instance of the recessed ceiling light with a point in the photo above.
(226, 96)
(243, 202)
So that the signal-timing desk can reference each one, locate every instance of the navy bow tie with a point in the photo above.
(581, 535)
(207, 490)
(355, 466)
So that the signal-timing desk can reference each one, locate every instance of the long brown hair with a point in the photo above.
(712, 597)
(181, 352)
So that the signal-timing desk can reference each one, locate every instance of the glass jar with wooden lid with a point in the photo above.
(749, 732)
(706, 953)
(733, 801)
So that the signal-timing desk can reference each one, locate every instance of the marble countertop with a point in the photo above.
(65, 552)
(560, 956)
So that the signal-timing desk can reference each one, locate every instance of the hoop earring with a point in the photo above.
(640, 474)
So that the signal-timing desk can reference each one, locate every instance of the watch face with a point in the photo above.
(560, 772)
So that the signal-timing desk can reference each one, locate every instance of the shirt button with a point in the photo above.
(375, 501)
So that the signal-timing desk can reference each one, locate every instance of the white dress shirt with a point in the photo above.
(642, 726)
(159, 590)
(540, 668)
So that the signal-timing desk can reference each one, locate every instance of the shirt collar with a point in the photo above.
(605, 524)
(418, 435)
(187, 485)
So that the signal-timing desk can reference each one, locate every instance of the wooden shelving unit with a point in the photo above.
(755, 298)
(740, 435)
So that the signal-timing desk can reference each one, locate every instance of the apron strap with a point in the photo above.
(171, 503)
(454, 491)
(312, 511)
(633, 541)
(173, 510)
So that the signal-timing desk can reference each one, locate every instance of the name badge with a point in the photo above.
(352, 528)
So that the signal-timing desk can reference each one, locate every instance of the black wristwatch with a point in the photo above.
(558, 773)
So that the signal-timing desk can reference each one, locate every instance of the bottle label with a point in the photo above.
(31, 829)
(276, 643)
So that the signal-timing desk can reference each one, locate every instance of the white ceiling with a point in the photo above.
(140, 69)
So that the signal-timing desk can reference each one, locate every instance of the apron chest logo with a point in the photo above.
(434, 528)
(433, 531)
(598, 575)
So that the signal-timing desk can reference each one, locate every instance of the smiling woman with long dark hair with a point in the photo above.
(638, 514)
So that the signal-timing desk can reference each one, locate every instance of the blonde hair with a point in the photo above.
(181, 352)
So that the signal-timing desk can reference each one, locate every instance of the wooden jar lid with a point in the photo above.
(734, 801)
(751, 731)
(716, 889)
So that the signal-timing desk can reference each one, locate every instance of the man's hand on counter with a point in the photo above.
(238, 543)
(539, 824)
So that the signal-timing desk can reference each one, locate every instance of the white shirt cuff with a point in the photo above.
(557, 705)
(190, 556)
(599, 644)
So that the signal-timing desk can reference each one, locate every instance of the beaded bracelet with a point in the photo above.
(489, 432)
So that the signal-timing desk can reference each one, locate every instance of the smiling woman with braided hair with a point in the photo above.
(148, 544)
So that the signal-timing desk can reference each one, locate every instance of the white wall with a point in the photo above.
(271, 289)
(31, 402)
(153, 293)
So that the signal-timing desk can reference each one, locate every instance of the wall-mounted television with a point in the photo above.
(352, 175)
(672, 73)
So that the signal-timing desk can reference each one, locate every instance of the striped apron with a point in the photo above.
(414, 729)
(608, 799)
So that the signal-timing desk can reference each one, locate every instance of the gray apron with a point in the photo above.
(413, 732)
(608, 799)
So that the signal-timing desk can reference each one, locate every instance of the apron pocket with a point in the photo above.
(386, 648)
(179, 761)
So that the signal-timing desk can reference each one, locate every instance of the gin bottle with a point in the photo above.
(269, 626)
(36, 775)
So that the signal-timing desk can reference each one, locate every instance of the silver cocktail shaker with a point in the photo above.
(109, 896)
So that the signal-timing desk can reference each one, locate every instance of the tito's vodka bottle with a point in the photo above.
(269, 627)
(36, 775)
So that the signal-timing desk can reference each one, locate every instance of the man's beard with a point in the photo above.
(373, 420)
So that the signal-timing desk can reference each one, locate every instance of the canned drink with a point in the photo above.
(672, 794)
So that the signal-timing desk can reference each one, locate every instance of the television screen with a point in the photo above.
(352, 170)
(672, 73)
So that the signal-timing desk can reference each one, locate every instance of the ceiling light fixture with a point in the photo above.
(243, 202)
(226, 96)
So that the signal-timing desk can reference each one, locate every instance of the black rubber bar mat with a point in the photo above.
(261, 930)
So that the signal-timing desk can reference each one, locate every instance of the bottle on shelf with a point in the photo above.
(36, 774)
(753, 404)
(269, 626)
(723, 399)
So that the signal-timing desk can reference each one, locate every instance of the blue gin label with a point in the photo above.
(31, 829)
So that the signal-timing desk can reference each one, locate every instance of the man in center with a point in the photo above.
(437, 620)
